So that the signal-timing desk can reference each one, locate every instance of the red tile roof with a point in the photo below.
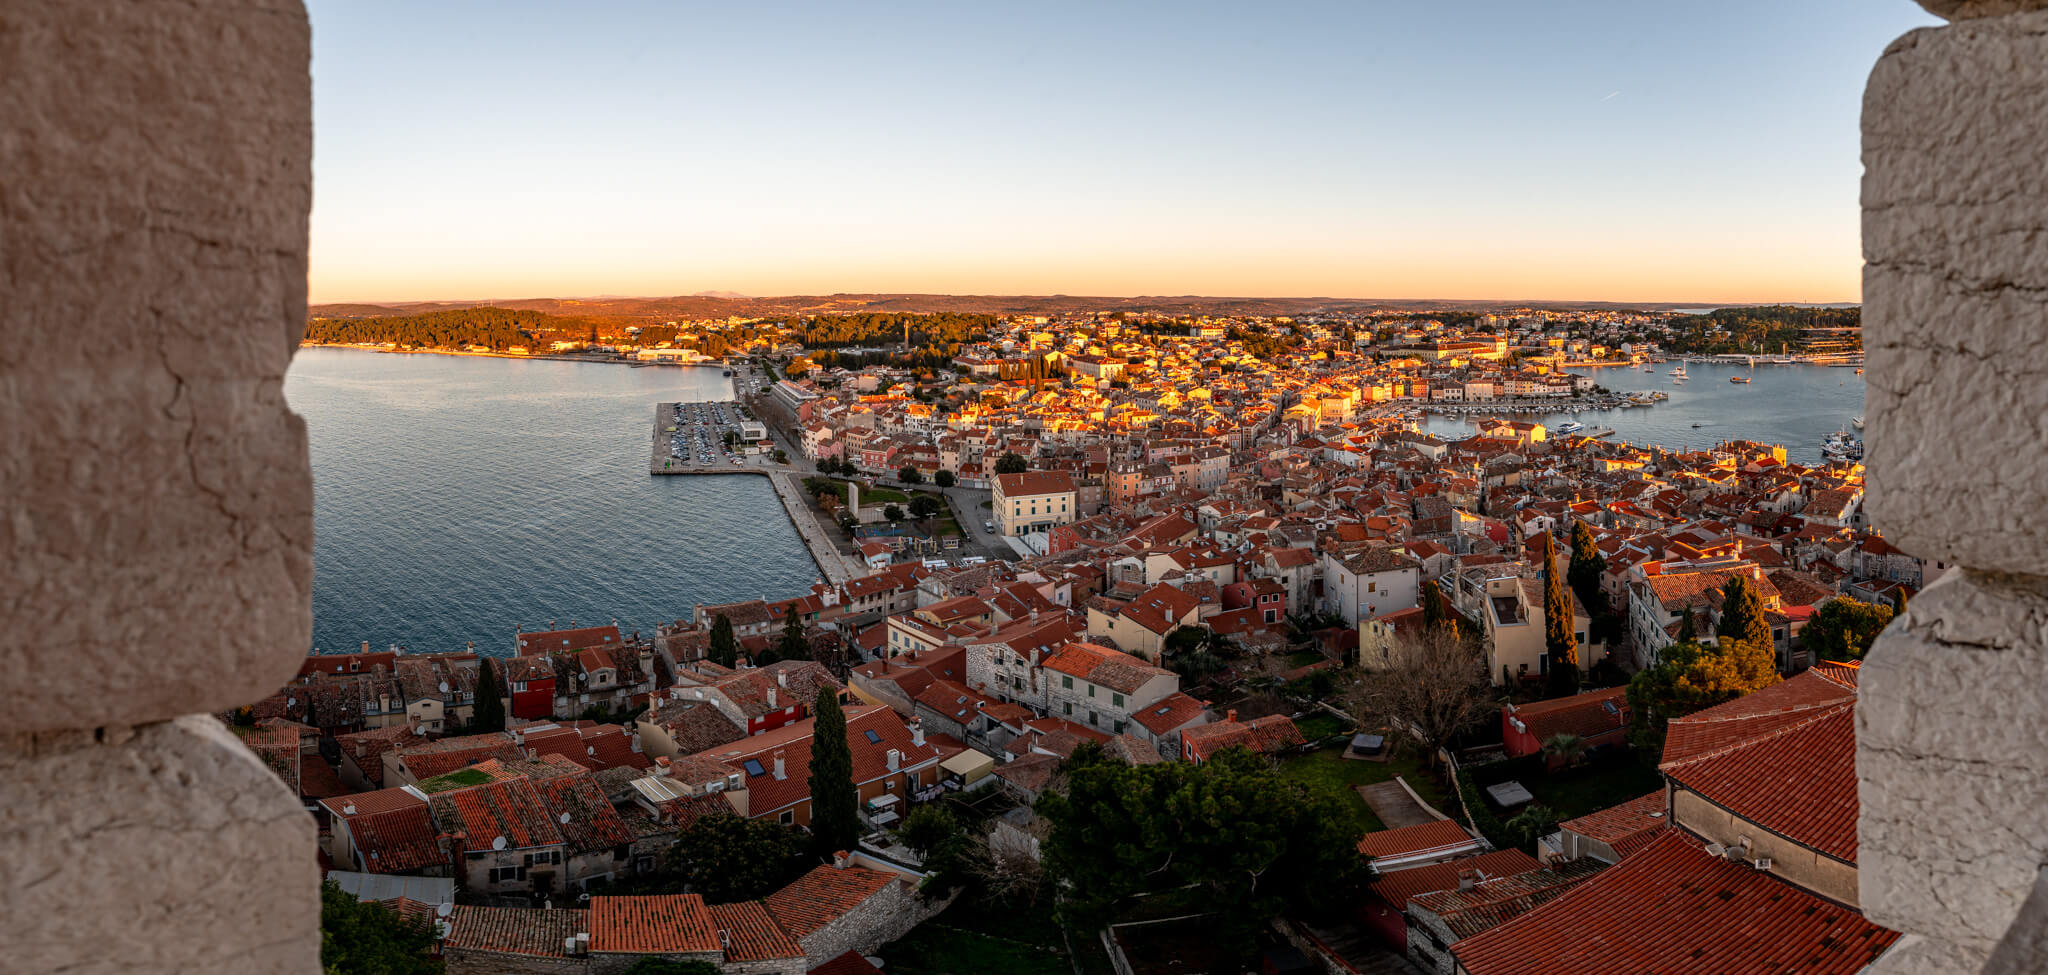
(508, 808)
(1265, 735)
(769, 795)
(1169, 712)
(1444, 834)
(1495, 901)
(851, 963)
(513, 930)
(1627, 824)
(1397, 886)
(397, 840)
(578, 639)
(753, 934)
(1585, 715)
(824, 895)
(1674, 910)
(654, 924)
(1783, 758)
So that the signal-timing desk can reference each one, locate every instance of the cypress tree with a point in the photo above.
(488, 714)
(1898, 602)
(793, 645)
(835, 803)
(1559, 640)
(1688, 630)
(724, 650)
(1587, 566)
(1742, 614)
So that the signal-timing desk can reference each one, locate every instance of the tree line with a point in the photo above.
(495, 328)
(1761, 329)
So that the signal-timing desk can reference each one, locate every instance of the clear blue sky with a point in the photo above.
(1509, 149)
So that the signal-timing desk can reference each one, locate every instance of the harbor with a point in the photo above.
(723, 437)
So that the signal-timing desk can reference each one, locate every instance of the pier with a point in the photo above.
(832, 563)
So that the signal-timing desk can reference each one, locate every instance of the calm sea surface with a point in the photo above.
(1797, 406)
(455, 497)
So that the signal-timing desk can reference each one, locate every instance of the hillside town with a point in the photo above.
(1227, 561)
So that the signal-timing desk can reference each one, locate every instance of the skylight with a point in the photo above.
(753, 767)
(873, 739)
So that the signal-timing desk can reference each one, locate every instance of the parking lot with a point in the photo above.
(707, 433)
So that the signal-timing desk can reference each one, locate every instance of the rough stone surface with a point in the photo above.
(1953, 778)
(155, 180)
(168, 848)
(1955, 291)
(2025, 948)
(1972, 9)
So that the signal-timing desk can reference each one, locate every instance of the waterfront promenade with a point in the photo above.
(833, 564)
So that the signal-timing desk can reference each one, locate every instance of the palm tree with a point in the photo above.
(1565, 747)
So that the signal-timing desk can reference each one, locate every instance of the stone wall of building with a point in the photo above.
(462, 961)
(1950, 756)
(157, 524)
(885, 917)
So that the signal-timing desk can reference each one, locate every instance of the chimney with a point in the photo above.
(662, 767)
(782, 678)
(778, 764)
(366, 646)
(917, 733)
(472, 646)
(771, 699)
(895, 759)
(348, 809)
(583, 942)
(1230, 715)
(840, 859)
(1468, 879)
(635, 739)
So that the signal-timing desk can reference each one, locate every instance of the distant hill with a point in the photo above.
(713, 304)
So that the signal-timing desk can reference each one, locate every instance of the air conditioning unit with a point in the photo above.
(1715, 849)
(1761, 863)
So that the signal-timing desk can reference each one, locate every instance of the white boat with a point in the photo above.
(1679, 373)
(1570, 427)
(1856, 421)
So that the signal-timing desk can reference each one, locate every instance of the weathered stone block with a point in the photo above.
(1971, 9)
(1953, 780)
(158, 500)
(168, 848)
(1955, 240)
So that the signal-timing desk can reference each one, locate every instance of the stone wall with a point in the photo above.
(1950, 739)
(467, 961)
(882, 918)
(158, 526)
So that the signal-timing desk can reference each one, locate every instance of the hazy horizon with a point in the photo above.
(1581, 152)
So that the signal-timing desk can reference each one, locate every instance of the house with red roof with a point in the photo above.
(1610, 834)
(1272, 734)
(502, 839)
(889, 759)
(1754, 872)
(386, 831)
(1416, 846)
(1385, 909)
(1597, 718)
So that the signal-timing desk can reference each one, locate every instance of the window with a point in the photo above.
(873, 739)
(1067, 683)
(1093, 718)
(788, 817)
(1117, 699)
(753, 767)
(1372, 587)
(889, 786)
(1070, 707)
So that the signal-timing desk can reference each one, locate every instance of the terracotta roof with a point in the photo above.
(578, 639)
(514, 930)
(1626, 824)
(769, 794)
(507, 808)
(1103, 666)
(397, 840)
(1794, 773)
(1169, 712)
(753, 934)
(851, 963)
(1585, 715)
(1265, 735)
(1443, 834)
(1397, 886)
(824, 895)
(1747, 717)
(1495, 901)
(654, 924)
(592, 823)
(1674, 910)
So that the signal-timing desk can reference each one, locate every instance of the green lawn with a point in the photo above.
(1327, 772)
(1571, 793)
(1302, 658)
(970, 937)
(1320, 725)
(455, 780)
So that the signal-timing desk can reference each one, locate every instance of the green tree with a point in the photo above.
(1899, 602)
(835, 803)
(1011, 463)
(910, 475)
(892, 512)
(1688, 627)
(925, 505)
(367, 938)
(1566, 747)
(1843, 628)
(729, 858)
(1587, 566)
(725, 648)
(1742, 613)
(793, 644)
(945, 479)
(1235, 836)
(1560, 640)
(1689, 677)
(1531, 824)
(488, 713)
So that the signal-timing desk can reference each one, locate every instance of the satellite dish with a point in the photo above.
(444, 687)
(498, 844)
(291, 702)
(590, 749)
(443, 910)
(565, 819)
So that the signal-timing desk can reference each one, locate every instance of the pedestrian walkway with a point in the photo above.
(824, 550)
(1395, 807)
